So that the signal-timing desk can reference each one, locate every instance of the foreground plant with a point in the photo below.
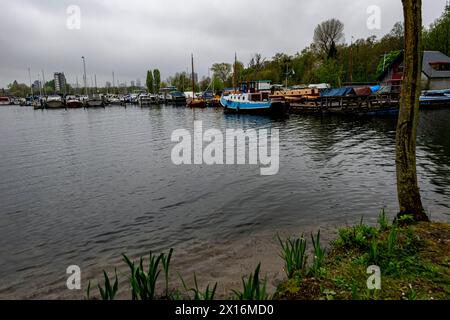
(143, 283)
(293, 252)
(253, 287)
(207, 294)
(165, 260)
(319, 255)
(109, 292)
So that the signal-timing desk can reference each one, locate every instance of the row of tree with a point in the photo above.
(153, 81)
(328, 59)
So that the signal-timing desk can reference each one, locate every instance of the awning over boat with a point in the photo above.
(337, 92)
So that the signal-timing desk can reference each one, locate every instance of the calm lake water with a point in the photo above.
(84, 186)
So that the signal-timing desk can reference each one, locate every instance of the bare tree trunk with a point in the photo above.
(407, 186)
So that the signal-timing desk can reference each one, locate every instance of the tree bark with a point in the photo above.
(407, 186)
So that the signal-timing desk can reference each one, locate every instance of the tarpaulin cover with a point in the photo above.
(337, 92)
(384, 90)
(375, 88)
(362, 91)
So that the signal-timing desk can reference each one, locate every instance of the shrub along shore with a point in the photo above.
(413, 260)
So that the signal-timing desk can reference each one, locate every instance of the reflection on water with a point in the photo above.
(83, 186)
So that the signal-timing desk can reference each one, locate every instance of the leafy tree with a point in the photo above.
(330, 72)
(50, 87)
(149, 82)
(221, 71)
(204, 83)
(157, 79)
(18, 89)
(437, 36)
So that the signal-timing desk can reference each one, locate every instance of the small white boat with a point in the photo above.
(114, 100)
(4, 101)
(73, 102)
(38, 103)
(54, 102)
(145, 100)
(95, 101)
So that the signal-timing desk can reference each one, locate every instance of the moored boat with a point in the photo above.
(246, 102)
(37, 103)
(95, 101)
(196, 103)
(114, 100)
(73, 102)
(177, 98)
(4, 101)
(435, 98)
(145, 100)
(54, 102)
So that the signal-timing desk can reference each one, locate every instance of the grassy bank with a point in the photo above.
(413, 261)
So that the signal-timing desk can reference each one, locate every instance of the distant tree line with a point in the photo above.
(328, 59)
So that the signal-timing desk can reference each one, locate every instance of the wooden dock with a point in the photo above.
(386, 103)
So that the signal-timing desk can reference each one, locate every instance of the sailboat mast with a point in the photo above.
(234, 73)
(43, 80)
(31, 85)
(193, 78)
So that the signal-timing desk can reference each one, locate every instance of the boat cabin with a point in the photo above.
(250, 97)
(255, 86)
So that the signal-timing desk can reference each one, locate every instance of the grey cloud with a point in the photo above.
(131, 36)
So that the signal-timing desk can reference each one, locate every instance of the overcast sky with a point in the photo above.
(131, 36)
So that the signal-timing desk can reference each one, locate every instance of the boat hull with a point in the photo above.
(436, 101)
(145, 102)
(74, 104)
(197, 104)
(54, 104)
(94, 104)
(271, 107)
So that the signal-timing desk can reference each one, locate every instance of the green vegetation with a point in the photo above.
(157, 80)
(437, 36)
(149, 82)
(293, 253)
(207, 294)
(319, 255)
(143, 283)
(109, 292)
(253, 287)
(413, 259)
